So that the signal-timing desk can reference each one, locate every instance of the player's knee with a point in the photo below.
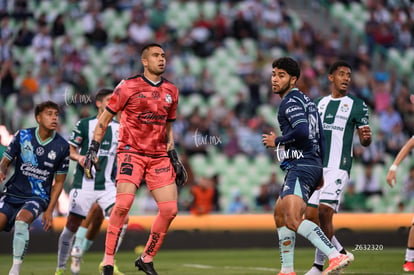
(292, 221)
(123, 204)
(292, 225)
(168, 210)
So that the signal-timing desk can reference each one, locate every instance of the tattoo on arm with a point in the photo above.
(102, 126)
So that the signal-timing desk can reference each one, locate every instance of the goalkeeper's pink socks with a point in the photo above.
(116, 221)
(167, 212)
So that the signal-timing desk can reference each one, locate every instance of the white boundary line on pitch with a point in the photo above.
(201, 266)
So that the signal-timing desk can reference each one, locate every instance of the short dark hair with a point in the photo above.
(47, 104)
(102, 93)
(337, 64)
(146, 47)
(288, 64)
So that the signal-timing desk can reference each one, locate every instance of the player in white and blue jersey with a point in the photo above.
(302, 139)
(41, 160)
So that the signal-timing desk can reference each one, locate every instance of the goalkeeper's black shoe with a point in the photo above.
(108, 270)
(148, 268)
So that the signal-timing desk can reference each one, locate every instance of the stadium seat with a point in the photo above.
(192, 9)
(209, 9)
(196, 65)
(338, 9)
(198, 163)
(220, 163)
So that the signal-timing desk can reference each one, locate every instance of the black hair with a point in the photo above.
(338, 64)
(102, 93)
(288, 64)
(47, 104)
(146, 47)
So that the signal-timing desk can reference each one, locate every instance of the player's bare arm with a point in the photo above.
(74, 155)
(405, 150)
(4, 166)
(269, 140)
(47, 218)
(365, 135)
(104, 119)
(170, 137)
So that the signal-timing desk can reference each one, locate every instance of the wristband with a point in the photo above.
(393, 167)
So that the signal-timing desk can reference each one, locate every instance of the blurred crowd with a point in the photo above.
(66, 50)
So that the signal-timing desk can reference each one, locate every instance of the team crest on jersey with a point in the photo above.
(364, 120)
(40, 151)
(155, 94)
(168, 98)
(52, 155)
(345, 108)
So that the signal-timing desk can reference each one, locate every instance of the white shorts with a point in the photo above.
(81, 201)
(335, 181)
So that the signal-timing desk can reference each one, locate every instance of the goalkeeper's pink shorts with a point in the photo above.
(157, 171)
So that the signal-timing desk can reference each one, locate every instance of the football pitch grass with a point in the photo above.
(215, 262)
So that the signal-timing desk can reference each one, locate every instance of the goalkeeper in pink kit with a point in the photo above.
(148, 103)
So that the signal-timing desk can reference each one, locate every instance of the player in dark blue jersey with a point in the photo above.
(41, 160)
(300, 150)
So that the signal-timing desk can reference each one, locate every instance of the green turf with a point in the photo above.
(216, 262)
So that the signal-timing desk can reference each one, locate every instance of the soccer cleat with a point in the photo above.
(350, 256)
(75, 265)
(290, 273)
(108, 270)
(116, 270)
(314, 271)
(148, 268)
(336, 264)
(60, 271)
(408, 266)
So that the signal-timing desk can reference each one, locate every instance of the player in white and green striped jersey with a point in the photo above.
(341, 115)
(86, 192)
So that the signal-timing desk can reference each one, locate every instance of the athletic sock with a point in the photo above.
(121, 236)
(167, 212)
(79, 238)
(15, 269)
(319, 258)
(338, 245)
(315, 235)
(409, 254)
(64, 246)
(116, 221)
(86, 244)
(287, 248)
(20, 240)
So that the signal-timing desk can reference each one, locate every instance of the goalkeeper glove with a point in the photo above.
(91, 159)
(181, 174)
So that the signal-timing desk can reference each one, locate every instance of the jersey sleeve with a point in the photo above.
(78, 135)
(119, 98)
(63, 165)
(361, 115)
(14, 147)
(172, 114)
(295, 113)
